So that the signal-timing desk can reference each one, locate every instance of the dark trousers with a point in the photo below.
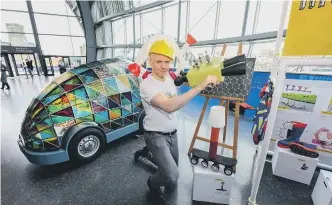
(5, 84)
(165, 154)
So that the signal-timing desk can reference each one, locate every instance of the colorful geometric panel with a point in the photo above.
(33, 130)
(44, 124)
(37, 109)
(110, 86)
(115, 113)
(97, 86)
(88, 77)
(77, 96)
(88, 118)
(41, 115)
(63, 77)
(59, 104)
(36, 144)
(106, 126)
(93, 94)
(136, 109)
(34, 102)
(133, 83)
(48, 133)
(79, 70)
(65, 124)
(127, 95)
(112, 104)
(102, 101)
(136, 93)
(48, 88)
(53, 95)
(82, 110)
(113, 71)
(97, 108)
(71, 84)
(68, 112)
(135, 99)
(51, 143)
(31, 125)
(60, 119)
(102, 116)
(126, 110)
(124, 100)
(123, 83)
(102, 72)
(116, 98)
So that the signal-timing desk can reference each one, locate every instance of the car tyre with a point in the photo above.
(86, 145)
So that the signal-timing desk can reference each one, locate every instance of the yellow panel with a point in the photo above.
(309, 29)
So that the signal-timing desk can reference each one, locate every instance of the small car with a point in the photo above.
(80, 111)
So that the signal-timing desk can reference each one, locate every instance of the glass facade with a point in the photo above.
(59, 29)
(197, 18)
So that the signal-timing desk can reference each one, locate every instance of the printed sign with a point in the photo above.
(309, 29)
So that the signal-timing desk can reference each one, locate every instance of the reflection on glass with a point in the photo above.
(79, 46)
(263, 52)
(17, 39)
(17, 22)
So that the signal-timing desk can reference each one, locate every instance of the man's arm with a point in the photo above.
(174, 104)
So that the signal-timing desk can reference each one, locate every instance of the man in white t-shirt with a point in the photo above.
(160, 101)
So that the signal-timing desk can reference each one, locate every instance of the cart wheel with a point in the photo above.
(228, 171)
(194, 160)
(215, 167)
(204, 164)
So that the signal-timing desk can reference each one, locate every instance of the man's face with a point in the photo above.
(160, 64)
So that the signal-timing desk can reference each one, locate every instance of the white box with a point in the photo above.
(322, 193)
(292, 166)
(210, 186)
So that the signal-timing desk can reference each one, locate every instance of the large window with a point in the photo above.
(151, 23)
(171, 20)
(231, 18)
(17, 22)
(59, 30)
(202, 19)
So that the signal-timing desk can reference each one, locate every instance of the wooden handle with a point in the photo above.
(223, 51)
(239, 49)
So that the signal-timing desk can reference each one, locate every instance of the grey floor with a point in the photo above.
(114, 178)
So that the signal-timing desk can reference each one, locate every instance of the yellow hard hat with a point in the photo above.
(162, 47)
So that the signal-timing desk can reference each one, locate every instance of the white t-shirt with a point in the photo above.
(157, 119)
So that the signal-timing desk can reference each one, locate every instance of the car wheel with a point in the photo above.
(86, 145)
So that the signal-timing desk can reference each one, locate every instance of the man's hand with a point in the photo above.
(209, 80)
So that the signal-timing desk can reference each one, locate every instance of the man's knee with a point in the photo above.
(172, 177)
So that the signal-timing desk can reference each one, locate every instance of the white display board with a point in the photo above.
(308, 102)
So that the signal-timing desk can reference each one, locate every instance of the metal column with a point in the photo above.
(35, 34)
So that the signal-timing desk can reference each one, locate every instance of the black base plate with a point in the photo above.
(226, 161)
